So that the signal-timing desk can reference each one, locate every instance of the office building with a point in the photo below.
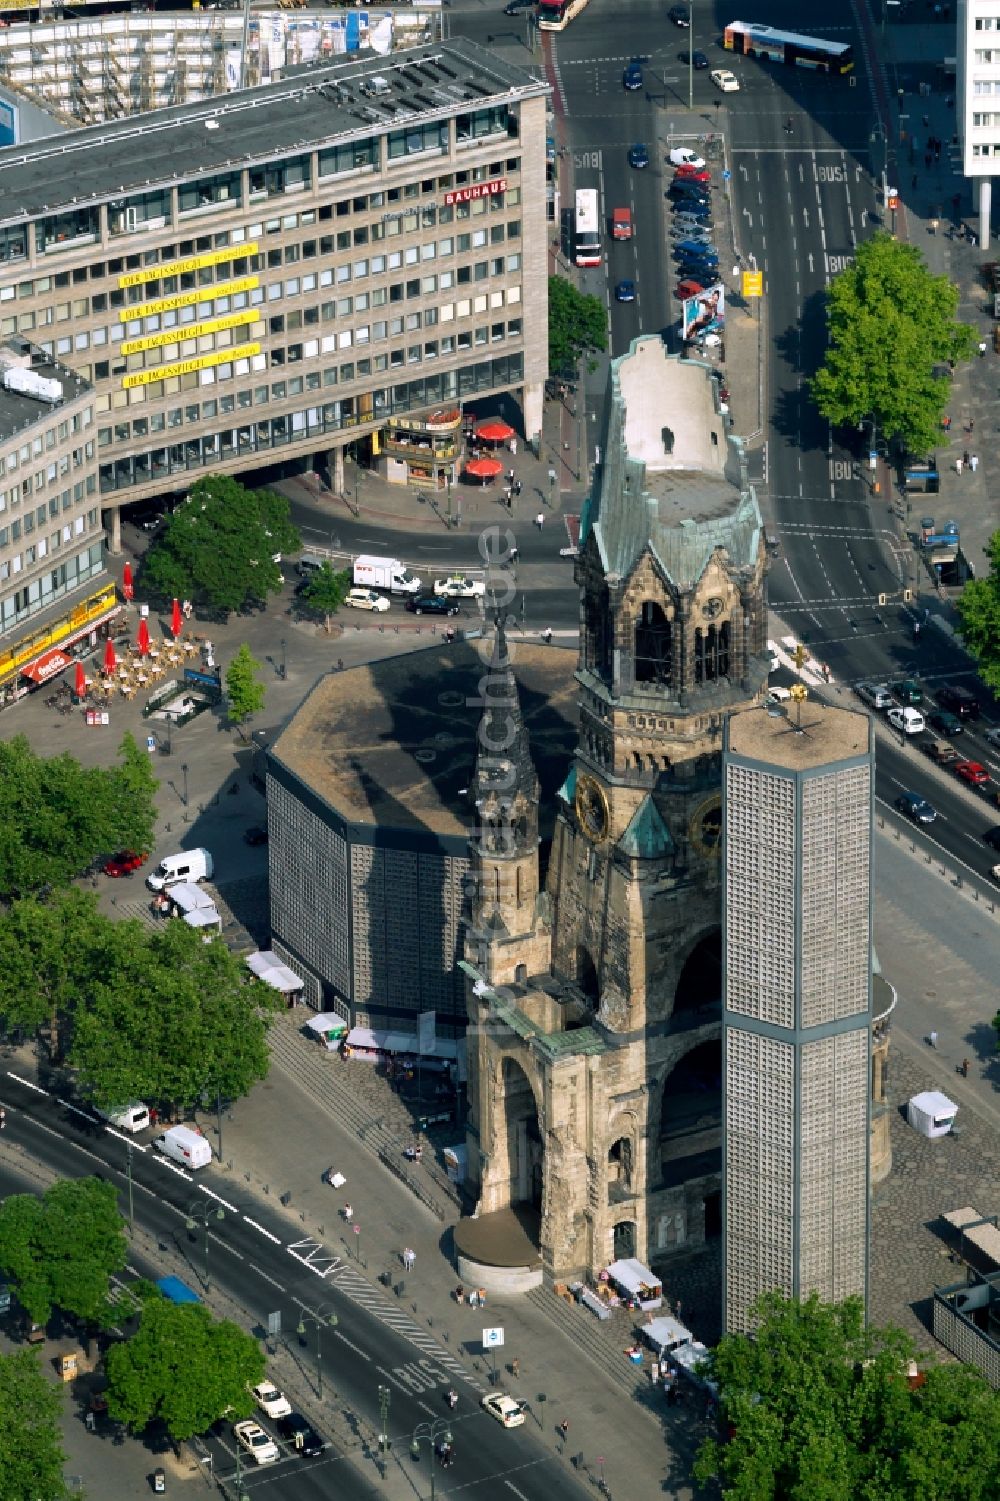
(972, 71)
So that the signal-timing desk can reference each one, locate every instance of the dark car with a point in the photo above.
(992, 838)
(944, 724)
(680, 15)
(906, 691)
(700, 249)
(916, 807)
(300, 1435)
(632, 78)
(638, 155)
(959, 700)
(256, 834)
(697, 60)
(514, 7)
(684, 187)
(625, 291)
(125, 863)
(431, 604)
(696, 218)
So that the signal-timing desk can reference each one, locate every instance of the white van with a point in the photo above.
(185, 1146)
(188, 865)
(133, 1117)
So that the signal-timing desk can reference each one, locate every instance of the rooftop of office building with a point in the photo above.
(809, 736)
(20, 410)
(358, 96)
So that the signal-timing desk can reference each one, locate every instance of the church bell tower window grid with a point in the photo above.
(711, 652)
(654, 646)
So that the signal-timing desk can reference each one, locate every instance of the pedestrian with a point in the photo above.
(513, 449)
(678, 1308)
(972, 423)
(3, 1118)
(540, 518)
(481, 1296)
(348, 1213)
(563, 1429)
(932, 1039)
(982, 349)
(946, 424)
(510, 478)
(460, 1294)
(409, 1257)
(547, 635)
(937, 151)
(552, 478)
(965, 459)
(958, 466)
(518, 487)
(515, 1368)
(974, 462)
(965, 1068)
(473, 1298)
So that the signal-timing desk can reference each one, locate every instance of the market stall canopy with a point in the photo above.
(484, 468)
(637, 1280)
(665, 1333)
(46, 667)
(494, 431)
(268, 967)
(328, 1026)
(366, 1040)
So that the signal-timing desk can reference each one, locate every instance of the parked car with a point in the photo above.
(680, 15)
(685, 290)
(875, 695)
(256, 1441)
(683, 187)
(910, 721)
(683, 156)
(906, 691)
(992, 736)
(625, 290)
(692, 174)
(916, 807)
(125, 863)
(506, 1411)
(431, 604)
(297, 1433)
(725, 81)
(273, 1402)
(632, 77)
(638, 155)
(697, 59)
(958, 700)
(700, 249)
(943, 723)
(992, 838)
(366, 599)
(972, 773)
(460, 586)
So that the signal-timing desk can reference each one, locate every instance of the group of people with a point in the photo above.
(475, 1297)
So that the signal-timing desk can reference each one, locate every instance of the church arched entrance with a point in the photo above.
(691, 1117)
(523, 1139)
(700, 982)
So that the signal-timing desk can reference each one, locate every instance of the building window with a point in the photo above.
(418, 139)
(223, 188)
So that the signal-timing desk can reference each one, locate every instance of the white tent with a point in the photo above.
(329, 1028)
(631, 1277)
(268, 967)
(665, 1333)
(371, 1043)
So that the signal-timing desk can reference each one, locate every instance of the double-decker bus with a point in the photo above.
(586, 229)
(788, 47)
(555, 15)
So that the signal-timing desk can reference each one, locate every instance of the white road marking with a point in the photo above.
(220, 1200)
(266, 1233)
(27, 1083)
(162, 1162)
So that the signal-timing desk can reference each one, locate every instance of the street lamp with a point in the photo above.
(283, 670)
(321, 1321)
(201, 1212)
(184, 774)
(433, 1434)
(690, 54)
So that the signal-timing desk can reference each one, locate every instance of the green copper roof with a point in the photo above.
(568, 789)
(647, 836)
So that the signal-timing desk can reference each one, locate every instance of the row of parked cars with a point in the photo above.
(254, 1438)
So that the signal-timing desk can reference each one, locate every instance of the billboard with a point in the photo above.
(9, 130)
(705, 312)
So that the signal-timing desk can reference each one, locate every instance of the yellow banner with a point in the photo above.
(90, 610)
(188, 299)
(185, 367)
(752, 283)
(188, 331)
(193, 263)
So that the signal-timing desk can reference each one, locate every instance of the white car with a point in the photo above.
(256, 1441)
(460, 586)
(504, 1409)
(725, 82)
(910, 721)
(366, 599)
(683, 156)
(274, 1403)
(779, 695)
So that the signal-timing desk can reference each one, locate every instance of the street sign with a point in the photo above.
(752, 283)
(872, 459)
(492, 1338)
(274, 1323)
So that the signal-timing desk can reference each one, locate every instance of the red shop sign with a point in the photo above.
(478, 190)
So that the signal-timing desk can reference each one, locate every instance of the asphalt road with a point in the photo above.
(264, 1267)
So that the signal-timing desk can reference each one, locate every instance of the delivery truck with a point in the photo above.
(186, 1146)
(385, 573)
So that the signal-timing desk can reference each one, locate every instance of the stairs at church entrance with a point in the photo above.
(604, 1342)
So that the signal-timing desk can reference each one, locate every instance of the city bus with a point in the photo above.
(586, 229)
(555, 15)
(788, 47)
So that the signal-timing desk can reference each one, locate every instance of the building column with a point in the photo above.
(114, 526)
(335, 459)
(985, 185)
(532, 404)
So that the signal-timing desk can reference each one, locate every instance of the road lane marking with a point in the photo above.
(351, 1345)
(27, 1083)
(266, 1233)
(219, 1199)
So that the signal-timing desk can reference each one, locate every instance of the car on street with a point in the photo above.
(256, 1441)
(708, 264)
(431, 604)
(692, 174)
(697, 59)
(916, 807)
(687, 289)
(725, 81)
(274, 1403)
(460, 586)
(638, 155)
(700, 249)
(875, 695)
(992, 837)
(683, 187)
(701, 220)
(680, 15)
(506, 1411)
(683, 156)
(514, 7)
(366, 599)
(255, 835)
(779, 694)
(300, 1435)
(125, 863)
(972, 773)
(943, 723)
(941, 752)
(632, 77)
(958, 700)
(910, 721)
(625, 290)
(906, 691)
(993, 737)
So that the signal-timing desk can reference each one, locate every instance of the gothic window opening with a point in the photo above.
(711, 652)
(598, 630)
(653, 645)
(620, 1169)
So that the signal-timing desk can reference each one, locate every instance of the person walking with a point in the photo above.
(974, 462)
(965, 1068)
(958, 466)
(932, 1039)
(348, 1213)
(540, 520)
(515, 1365)
(513, 448)
(982, 349)
(563, 1429)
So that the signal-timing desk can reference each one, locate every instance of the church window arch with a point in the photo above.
(653, 644)
(712, 652)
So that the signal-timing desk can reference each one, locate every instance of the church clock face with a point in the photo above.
(705, 828)
(592, 808)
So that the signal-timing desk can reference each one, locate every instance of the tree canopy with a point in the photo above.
(31, 1454)
(893, 331)
(578, 325)
(51, 952)
(978, 608)
(244, 690)
(326, 592)
(218, 547)
(181, 1367)
(821, 1408)
(58, 817)
(60, 1250)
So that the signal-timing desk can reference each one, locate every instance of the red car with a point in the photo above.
(686, 289)
(692, 174)
(972, 772)
(124, 863)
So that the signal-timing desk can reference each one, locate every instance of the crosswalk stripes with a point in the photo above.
(365, 1296)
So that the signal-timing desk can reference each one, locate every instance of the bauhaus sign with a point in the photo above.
(477, 190)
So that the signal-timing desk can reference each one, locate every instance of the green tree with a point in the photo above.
(60, 1250)
(978, 608)
(326, 592)
(181, 1367)
(821, 1408)
(52, 953)
(31, 1453)
(219, 547)
(58, 817)
(578, 325)
(176, 1018)
(892, 327)
(244, 690)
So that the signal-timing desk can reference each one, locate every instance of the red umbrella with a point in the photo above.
(484, 468)
(142, 640)
(494, 431)
(80, 680)
(176, 619)
(110, 659)
(128, 588)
